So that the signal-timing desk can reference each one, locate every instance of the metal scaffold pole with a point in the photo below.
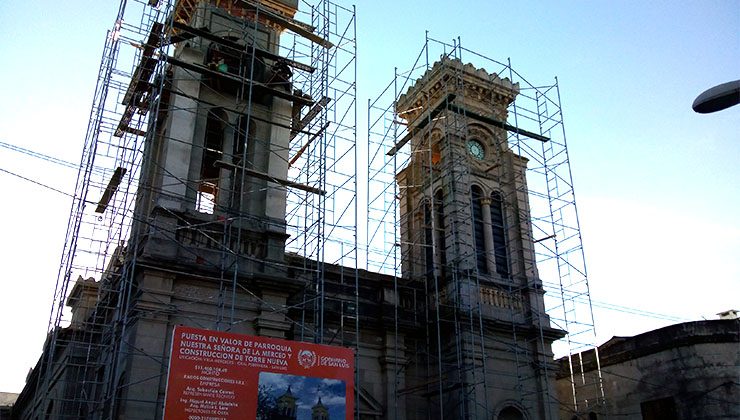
(483, 233)
(220, 156)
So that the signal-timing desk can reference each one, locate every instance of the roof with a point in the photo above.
(619, 349)
(7, 398)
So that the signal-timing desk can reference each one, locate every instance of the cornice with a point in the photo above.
(480, 90)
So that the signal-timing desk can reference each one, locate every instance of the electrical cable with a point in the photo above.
(37, 183)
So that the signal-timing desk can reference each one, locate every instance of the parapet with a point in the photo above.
(476, 88)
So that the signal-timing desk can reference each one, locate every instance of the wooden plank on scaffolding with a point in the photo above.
(184, 10)
(425, 120)
(310, 115)
(132, 130)
(268, 177)
(145, 68)
(308, 143)
(113, 184)
(140, 84)
(123, 125)
(206, 34)
(496, 123)
(291, 24)
(257, 85)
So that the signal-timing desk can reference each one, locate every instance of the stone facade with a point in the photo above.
(7, 399)
(686, 371)
(463, 335)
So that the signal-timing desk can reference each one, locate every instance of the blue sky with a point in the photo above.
(656, 184)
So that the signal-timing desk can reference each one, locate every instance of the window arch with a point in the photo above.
(244, 140)
(476, 195)
(228, 60)
(428, 240)
(436, 153)
(434, 141)
(242, 156)
(434, 235)
(224, 59)
(440, 230)
(510, 413)
(49, 413)
(213, 146)
(498, 225)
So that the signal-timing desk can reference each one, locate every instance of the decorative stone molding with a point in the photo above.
(501, 299)
(479, 90)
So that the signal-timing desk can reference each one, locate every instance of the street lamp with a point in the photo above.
(718, 98)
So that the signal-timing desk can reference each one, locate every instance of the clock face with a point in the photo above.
(475, 148)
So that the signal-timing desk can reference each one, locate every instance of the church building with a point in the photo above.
(462, 334)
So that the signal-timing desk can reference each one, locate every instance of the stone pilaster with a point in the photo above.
(271, 321)
(392, 362)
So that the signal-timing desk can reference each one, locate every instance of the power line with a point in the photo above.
(37, 183)
(602, 305)
(638, 312)
(582, 299)
(39, 155)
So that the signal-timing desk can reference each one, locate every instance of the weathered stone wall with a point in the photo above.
(695, 364)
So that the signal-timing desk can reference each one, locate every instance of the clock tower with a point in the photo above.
(466, 235)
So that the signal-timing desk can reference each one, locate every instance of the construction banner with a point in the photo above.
(218, 376)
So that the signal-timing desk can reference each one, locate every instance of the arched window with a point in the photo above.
(476, 194)
(49, 413)
(510, 413)
(225, 59)
(213, 145)
(436, 153)
(498, 224)
(434, 236)
(242, 157)
(440, 231)
(243, 137)
(237, 62)
(428, 241)
(244, 142)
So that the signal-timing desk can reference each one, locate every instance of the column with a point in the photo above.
(392, 364)
(485, 203)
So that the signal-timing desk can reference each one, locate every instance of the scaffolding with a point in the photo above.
(462, 309)
(98, 300)
(429, 309)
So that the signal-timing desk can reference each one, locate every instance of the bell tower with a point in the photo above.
(209, 223)
(220, 151)
(466, 235)
(464, 173)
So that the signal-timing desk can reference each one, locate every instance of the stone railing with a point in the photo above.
(487, 297)
(210, 239)
(501, 298)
